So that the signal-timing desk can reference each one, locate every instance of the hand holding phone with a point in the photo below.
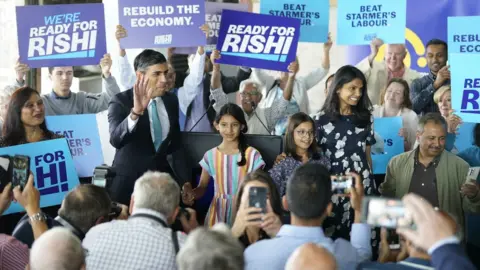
(20, 171)
(342, 184)
(384, 212)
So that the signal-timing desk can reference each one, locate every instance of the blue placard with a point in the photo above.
(465, 85)
(81, 132)
(52, 165)
(314, 16)
(257, 40)
(462, 37)
(464, 137)
(358, 22)
(389, 143)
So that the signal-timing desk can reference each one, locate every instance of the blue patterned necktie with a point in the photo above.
(157, 125)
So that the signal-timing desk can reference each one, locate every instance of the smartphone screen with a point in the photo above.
(388, 213)
(20, 171)
(4, 171)
(342, 184)
(257, 197)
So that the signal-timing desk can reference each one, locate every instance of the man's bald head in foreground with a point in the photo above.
(311, 257)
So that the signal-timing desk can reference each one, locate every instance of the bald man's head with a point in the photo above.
(394, 56)
(311, 257)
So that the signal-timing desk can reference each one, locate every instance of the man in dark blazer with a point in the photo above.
(144, 128)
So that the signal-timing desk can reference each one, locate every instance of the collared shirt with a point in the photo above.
(136, 243)
(274, 253)
(424, 179)
(13, 253)
(80, 102)
(162, 115)
(421, 94)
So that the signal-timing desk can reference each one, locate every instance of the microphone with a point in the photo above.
(254, 108)
(210, 104)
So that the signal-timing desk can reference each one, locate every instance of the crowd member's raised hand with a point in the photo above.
(188, 196)
(205, 29)
(5, 198)
(191, 223)
(442, 76)
(246, 216)
(215, 56)
(327, 46)
(431, 226)
(453, 121)
(21, 71)
(120, 33)
(271, 223)
(293, 68)
(29, 197)
(470, 189)
(106, 65)
(374, 48)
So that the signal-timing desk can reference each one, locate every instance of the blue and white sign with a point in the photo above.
(464, 138)
(462, 37)
(52, 165)
(314, 16)
(81, 133)
(389, 143)
(358, 22)
(465, 83)
(257, 40)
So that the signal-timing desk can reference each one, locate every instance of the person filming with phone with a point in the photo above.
(259, 209)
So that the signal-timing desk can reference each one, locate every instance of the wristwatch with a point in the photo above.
(38, 217)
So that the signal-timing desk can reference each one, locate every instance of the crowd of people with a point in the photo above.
(145, 219)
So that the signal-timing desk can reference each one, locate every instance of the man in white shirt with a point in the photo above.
(144, 241)
(260, 120)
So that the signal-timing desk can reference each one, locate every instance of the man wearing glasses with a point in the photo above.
(259, 120)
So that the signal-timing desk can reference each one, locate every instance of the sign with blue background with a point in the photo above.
(386, 132)
(358, 22)
(433, 13)
(314, 16)
(465, 85)
(52, 165)
(258, 40)
(464, 138)
(83, 139)
(61, 35)
(462, 37)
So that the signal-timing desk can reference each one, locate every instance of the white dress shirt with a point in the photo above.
(300, 86)
(162, 115)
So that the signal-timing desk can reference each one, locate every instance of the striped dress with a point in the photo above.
(227, 176)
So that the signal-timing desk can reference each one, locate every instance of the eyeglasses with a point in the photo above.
(305, 133)
(249, 94)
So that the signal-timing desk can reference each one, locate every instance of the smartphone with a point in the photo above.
(342, 184)
(384, 212)
(20, 171)
(5, 177)
(473, 175)
(393, 239)
(100, 177)
(257, 197)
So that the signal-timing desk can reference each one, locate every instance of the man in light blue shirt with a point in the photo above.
(308, 198)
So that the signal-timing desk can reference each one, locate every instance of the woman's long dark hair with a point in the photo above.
(265, 178)
(362, 111)
(290, 147)
(236, 112)
(13, 128)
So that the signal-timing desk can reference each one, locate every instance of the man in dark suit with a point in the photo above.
(144, 127)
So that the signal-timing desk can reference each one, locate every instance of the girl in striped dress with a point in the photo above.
(227, 164)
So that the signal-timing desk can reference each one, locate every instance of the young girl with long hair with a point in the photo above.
(227, 164)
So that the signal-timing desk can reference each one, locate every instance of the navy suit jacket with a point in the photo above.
(135, 153)
(451, 256)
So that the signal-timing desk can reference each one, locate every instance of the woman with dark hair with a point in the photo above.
(472, 154)
(395, 101)
(227, 163)
(345, 134)
(328, 82)
(251, 225)
(24, 123)
(300, 148)
(25, 120)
